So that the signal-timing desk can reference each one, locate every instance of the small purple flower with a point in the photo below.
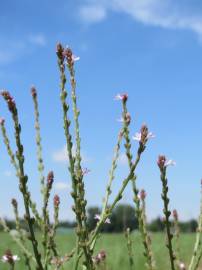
(8, 257)
(144, 135)
(175, 214)
(56, 201)
(50, 179)
(142, 195)
(2, 121)
(70, 57)
(10, 101)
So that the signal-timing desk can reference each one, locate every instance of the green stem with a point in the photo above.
(167, 214)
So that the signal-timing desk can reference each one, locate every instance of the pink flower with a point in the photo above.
(122, 97)
(170, 162)
(138, 136)
(163, 162)
(98, 217)
(8, 257)
(2, 121)
(142, 195)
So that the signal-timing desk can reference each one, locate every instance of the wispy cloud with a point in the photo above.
(14, 49)
(38, 39)
(61, 155)
(61, 186)
(160, 13)
(92, 13)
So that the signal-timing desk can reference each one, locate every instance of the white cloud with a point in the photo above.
(61, 186)
(37, 39)
(161, 13)
(92, 13)
(61, 156)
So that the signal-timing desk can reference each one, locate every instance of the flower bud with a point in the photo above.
(56, 200)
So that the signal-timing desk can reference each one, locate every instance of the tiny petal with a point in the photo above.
(120, 120)
(170, 162)
(108, 221)
(16, 258)
(75, 58)
(97, 217)
(150, 135)
(137, 136)
(4, 259)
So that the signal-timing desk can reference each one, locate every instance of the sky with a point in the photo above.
(151, 49)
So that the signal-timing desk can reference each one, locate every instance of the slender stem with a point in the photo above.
(18, 228)
(129, 248)
(167, 214)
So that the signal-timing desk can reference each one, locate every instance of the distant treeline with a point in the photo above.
(122, 217)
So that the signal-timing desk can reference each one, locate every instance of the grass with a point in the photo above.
(115, 246)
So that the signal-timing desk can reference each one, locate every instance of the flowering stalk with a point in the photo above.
(46, 222)
(22, 176)
(163, 163)
(56, 202)
(38, 139)
(129, 248)
(197, 253)
(70, 60)
(142, 137)
(77, 183)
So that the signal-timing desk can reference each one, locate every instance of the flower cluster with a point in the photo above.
(10, 100)
(101, 257)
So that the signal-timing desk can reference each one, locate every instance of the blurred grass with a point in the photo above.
(115, 246)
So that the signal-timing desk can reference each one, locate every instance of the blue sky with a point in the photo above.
(151, 49)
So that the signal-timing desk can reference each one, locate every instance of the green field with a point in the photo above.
(115, 246)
